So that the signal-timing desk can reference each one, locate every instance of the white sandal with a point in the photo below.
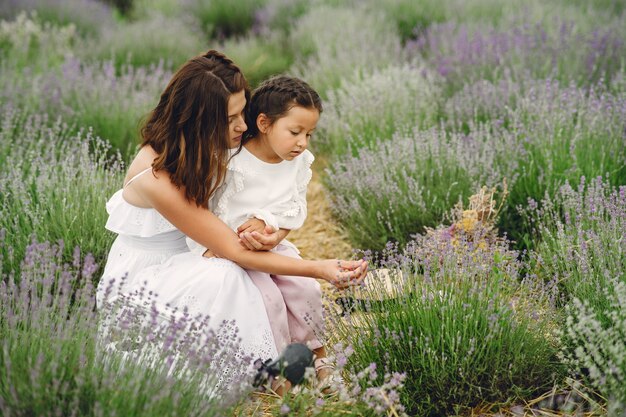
(327, 385)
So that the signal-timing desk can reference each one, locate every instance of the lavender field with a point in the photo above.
(474, 151)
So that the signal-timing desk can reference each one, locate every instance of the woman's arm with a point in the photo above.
(207, 229)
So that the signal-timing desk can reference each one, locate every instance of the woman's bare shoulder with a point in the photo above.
(141, 184)
(142, 161)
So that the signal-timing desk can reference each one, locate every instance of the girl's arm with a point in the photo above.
(207, 229)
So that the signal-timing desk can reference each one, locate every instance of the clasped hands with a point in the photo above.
(254, 234)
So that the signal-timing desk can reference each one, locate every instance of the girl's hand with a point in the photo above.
(251, 225)
(261, 241)
(344, 274)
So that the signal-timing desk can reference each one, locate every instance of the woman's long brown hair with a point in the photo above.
(188, 129)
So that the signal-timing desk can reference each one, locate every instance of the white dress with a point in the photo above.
(149, 260)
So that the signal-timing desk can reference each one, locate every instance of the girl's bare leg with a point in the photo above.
(323, 369)
(281, 386)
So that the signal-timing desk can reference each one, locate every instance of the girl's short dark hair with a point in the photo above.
(275, 97)
(188, 129)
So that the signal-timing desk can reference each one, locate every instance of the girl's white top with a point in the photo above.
(274, 193)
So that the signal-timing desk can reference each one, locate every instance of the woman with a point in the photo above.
(182, 160)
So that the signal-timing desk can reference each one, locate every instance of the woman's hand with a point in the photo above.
(261, 241)
(343, 274)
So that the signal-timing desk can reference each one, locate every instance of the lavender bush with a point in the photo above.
(485, 101)
(148, 41)
(562, 133)
(260, 56)
(91, 95)
(89, 16)
(598, 338)
(330, 42)
(581, 258)
(610, 7)
(582, 243)
(464, 54)
(413, 21)
(53, 185)
(558, 133)
(29, 45)
(528, 136)
(219, 18)
(279, 15)
(410, 182)
(53, 361)
(450, 312)
(146, 8)
(372, 107)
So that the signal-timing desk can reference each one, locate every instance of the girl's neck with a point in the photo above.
(259, 147)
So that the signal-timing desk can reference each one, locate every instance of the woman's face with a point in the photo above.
(236, 122)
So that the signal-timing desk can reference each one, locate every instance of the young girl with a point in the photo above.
(266, 186)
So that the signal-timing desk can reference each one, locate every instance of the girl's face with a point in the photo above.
(289, 135)
(236, 122)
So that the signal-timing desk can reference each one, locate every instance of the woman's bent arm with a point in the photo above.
(207, 229)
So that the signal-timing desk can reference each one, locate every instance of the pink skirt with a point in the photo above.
(293, 304)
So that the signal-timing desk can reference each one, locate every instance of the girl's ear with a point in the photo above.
(263, 122)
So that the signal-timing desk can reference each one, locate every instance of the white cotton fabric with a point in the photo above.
(272, 192)
(215, 287)
(150, 255)
(145, 238)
